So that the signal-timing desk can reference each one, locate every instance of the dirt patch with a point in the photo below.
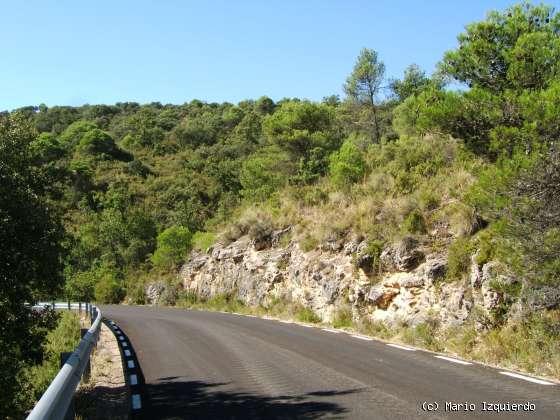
(105, 395)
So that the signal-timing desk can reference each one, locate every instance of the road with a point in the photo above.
(209, 365)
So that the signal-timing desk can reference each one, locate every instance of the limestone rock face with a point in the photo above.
(403, 256)
(411, 289)
(154, 292)
(545, 297)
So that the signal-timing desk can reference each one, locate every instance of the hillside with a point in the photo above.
(415, 211)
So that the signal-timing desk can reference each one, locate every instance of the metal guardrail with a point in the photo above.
(57, 399)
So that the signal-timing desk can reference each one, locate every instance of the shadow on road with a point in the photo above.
(178, 398)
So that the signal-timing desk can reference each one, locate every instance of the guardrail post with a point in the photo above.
(87, 371)
(69, 307)
(53, 305)
(80, 308)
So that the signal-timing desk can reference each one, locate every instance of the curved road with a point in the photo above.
(209, 365)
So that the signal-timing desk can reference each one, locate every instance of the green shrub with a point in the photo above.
(342, 317)
(109, 290)
(414, 223)
(429, 199)
(187, 299)
(135, 292)
(64, 338)
(374, 250)
(459, 258)
(81, 287)
(423, 335)
(173, 245)
(366, 325)
(532, 344)
(347, 166)
(263, 173)
(307, 315)
(486, 247)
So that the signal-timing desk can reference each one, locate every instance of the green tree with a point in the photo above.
(81, 287)
(347, 166)
(173, 245)
(108, 289)
(306, 131)
(46, 148)
(73, 134)
(264, 173)
(515, 49)
(98, 143)
(364, 84)
(30, 256)
(413, 82)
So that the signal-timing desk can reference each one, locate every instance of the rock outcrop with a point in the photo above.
(410, 288)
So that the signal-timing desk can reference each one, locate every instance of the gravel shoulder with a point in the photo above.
(105, 395)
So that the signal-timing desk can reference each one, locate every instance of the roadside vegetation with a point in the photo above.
(36, 377)
(100, 200)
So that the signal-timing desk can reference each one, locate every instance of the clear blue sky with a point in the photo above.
(76, 52)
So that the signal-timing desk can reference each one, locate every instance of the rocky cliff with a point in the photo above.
(407, 284)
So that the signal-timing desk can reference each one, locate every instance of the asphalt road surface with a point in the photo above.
(209, 365)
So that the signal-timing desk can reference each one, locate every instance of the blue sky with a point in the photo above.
(76, 52)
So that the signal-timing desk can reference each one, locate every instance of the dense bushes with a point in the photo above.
(173, 244)
(64, 338)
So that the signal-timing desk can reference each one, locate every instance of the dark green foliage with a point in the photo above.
(459, 258)
(108, 289)
(81, 287)
(96, 143)
(414, 222)
(265, 172)
(514, 49)
(523, 201)
(374, 250)
(347, 166)
(299, 127)
(64, 336)
(30, 256)
(410, 160)
(413, 83)
(364, 85)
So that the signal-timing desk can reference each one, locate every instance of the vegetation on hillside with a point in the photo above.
(98, 198)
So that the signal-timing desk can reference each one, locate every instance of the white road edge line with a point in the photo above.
(131, 364)
(401, 347)
(133, 380)
(331, 330)
(306, 326)
(251, 316)
(527, 378)
(361, 337)
(449, 359)
(285, 322)
(127, 353)
(136, 402)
